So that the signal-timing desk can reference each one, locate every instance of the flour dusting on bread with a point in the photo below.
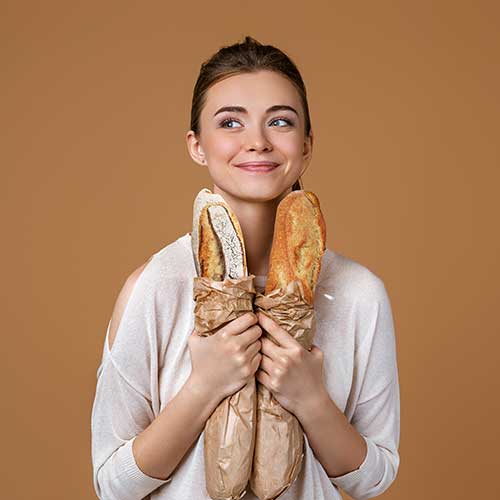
(229, 241)
(217, 239)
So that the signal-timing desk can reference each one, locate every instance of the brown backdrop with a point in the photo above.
(96, 177)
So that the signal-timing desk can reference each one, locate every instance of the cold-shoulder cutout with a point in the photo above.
(121, 302)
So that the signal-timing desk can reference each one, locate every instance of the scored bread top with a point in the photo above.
(229, 240)
(210, 257)
(299, 242)
(217, 239)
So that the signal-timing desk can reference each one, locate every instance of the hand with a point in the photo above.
(292, 374)
(226, 361)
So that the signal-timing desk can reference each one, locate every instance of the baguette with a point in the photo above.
(299, 242)
(223, 291)
(217, 239)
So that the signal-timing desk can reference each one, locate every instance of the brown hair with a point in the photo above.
(245, 57)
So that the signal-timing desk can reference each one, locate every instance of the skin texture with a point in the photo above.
(295, 377)
(121, 303)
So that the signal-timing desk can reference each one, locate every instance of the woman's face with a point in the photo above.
(256, 132)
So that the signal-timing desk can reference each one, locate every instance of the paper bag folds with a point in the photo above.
(230, 431)
(279, 437)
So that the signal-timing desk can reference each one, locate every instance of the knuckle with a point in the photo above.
(227, 347)
(240, 359)
(285, 361)
(237, 349)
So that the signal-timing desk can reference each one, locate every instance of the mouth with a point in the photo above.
(258, 166)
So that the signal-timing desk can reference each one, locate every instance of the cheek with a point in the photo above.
(292, 148)
(222, 147)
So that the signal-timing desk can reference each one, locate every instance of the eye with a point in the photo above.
(226, 121)
(286, 120)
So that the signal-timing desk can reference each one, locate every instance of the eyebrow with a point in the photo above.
(241, 109)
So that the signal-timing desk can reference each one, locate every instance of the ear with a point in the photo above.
(194, 148)
(308, 147)
(307, 154)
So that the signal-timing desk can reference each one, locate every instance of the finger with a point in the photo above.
(239, 324)
(270, 349)
(256, 362)
(254, 346)
(316, 351)
(195, 333)
(250, 336)
(281, 336)
(266, 364)
(263, 378)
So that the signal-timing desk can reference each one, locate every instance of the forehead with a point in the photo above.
(254, 91)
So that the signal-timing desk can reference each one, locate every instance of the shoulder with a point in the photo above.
(346, 277)
(122, 300)
(358, 294)
(157, 283)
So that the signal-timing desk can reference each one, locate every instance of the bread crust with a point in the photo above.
(211, 260)
(299, 243)
(210, 254)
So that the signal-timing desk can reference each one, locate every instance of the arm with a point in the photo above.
(361, 456)
(160, 447)
(133, 452)
(324, 423)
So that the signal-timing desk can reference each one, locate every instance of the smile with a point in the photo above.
(258, 168)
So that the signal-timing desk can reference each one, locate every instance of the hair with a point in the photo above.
(246, 57)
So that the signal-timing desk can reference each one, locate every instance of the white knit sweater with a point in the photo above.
(150, 361)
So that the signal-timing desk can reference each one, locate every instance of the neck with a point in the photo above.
(256, 219)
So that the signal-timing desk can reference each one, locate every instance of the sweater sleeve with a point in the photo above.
(119, 414)
(377, 412)
(126, 401)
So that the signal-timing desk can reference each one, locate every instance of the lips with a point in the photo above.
(258, 166)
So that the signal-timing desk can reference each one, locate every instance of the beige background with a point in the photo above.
(96, 177)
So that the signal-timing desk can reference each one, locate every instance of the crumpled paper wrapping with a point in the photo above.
(230, 430)
(279, 439)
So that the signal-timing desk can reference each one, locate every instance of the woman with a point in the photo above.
(159, 382)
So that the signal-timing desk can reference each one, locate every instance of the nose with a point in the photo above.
(257, 140)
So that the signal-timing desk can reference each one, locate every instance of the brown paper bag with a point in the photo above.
(230, 431)
(279, 436)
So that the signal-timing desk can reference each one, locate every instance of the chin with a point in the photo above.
(259, 194)
(253, 191)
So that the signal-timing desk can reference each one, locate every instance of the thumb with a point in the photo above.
(316, 351)
(194, 333)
